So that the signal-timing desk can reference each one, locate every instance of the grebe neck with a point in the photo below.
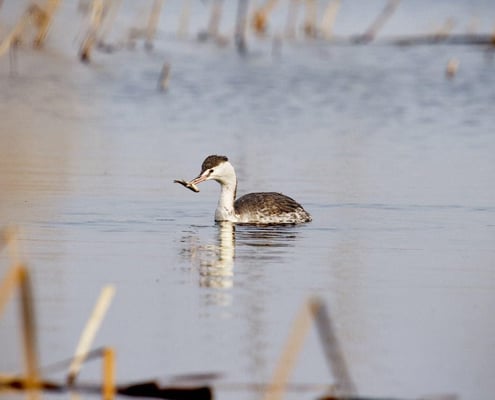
(225, 209)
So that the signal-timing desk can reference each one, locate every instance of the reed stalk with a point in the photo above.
(89, 332)
(276, 389)
(108, 387)
(164, 77)
(15, 34)
(310, 20)
(29, 329)
(380, 21)
(153, 20)
(333, 353)
(184, 19)
(91, 36)
(313, 310)
(45, 20)
(18, 277)
(259, 20)
(8, 285)
(329, 17)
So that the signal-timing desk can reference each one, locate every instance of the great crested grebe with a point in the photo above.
(252, 208)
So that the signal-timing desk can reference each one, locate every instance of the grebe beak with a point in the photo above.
(199, 179)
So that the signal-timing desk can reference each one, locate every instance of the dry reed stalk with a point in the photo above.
(89, 332)
(275, 390)
(18, 276)
(164, 77)
(91, 36)
(7, 286)
(40, 17)
(45, 21)
(328, 19)
(15, 34)
(259, 20)
(335, 358)
(310, 20)
(452, 67)
(108, 387)
(29, 330)
(153, 20)
(380, 20)
(184, 19)
(312, 310)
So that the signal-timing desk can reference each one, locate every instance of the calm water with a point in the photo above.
(394, 161)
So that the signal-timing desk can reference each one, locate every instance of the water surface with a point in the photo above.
(394, 162)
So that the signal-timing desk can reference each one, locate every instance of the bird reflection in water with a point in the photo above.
(217, 270)
(215, 262)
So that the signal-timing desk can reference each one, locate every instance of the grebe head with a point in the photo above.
(216, 168)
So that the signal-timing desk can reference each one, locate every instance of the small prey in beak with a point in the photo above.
(190, 185)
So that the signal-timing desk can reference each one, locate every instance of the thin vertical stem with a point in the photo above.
(89, 332)
(108, 387)
(28, 328)
(335, 358)
(381, 19)
(153, 22)
(292, 348)
(184, 18)
(328, 20)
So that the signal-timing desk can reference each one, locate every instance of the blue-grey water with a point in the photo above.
(395, 162)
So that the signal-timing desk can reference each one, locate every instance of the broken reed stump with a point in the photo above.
(164, 77)
(97, 14)
(379, 22)
(452, 67)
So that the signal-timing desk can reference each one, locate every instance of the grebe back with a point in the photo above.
(253, 208)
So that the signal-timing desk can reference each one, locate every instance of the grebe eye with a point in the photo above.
(211, 172)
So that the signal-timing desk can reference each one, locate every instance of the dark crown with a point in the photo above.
(212, 161)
